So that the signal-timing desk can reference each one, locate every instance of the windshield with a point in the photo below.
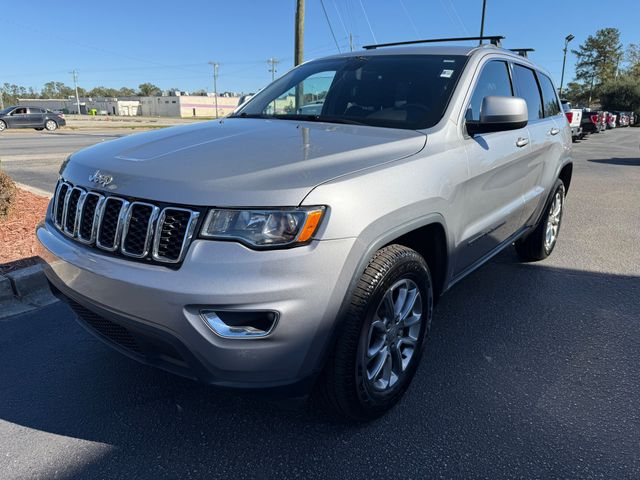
(398, 91)
(6, 110)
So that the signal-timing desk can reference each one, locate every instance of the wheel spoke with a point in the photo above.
(378, 364)
(387, 306)
(387, 370)
(409, 303)
(398, 305)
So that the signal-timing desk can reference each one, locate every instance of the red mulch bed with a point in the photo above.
(17, 232)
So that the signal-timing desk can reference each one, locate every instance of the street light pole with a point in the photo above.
(75, 82)
(567, 39)
(215, 66)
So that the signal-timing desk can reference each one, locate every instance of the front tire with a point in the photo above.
(50, 125)
(3, 126)
(539, 244)
(380, 342)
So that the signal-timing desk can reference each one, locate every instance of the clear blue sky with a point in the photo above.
(118, 43)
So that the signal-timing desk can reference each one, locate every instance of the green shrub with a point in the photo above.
(7, 195)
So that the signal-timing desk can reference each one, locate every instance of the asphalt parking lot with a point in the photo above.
(531, 371)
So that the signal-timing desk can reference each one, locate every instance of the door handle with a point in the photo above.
(522, 142)
(554, 131)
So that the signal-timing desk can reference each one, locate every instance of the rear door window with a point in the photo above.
(494, 80)
(549, 98)
(527, 87)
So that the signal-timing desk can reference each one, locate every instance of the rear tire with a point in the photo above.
(380, 342)
(539, 244)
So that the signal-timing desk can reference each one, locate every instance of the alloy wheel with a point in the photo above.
(553, 220)
(393, 335)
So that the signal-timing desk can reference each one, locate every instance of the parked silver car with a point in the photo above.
(304, 252)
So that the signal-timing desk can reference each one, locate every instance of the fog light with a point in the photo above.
(236, 324)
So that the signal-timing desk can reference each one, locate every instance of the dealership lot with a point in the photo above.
(531, 371)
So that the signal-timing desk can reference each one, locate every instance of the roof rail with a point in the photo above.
(494, 39)
(523, 52)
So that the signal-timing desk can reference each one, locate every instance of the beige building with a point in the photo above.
(187, 106)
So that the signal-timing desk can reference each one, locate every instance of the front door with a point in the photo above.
(18, 118)
(497, 160)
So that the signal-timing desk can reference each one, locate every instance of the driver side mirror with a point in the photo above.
(499, 113)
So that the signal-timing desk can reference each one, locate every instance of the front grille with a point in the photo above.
(126, 227)
(111, 330)
(138, 230)
(172, 233)
(109, 223)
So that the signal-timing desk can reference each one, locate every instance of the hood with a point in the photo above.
(238, 162)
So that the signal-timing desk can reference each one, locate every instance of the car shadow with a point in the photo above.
(629, 162)
(528, 369)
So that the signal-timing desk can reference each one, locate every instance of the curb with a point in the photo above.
(24, 290)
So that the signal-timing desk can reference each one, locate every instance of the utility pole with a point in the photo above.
(298, 55)
(484, 8)
(75, 82)
(215, 66)
(350, 42)
(567, 39)
(299, 34)
(273, 62)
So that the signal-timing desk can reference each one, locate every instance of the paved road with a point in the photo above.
(33, 158)
(531, 372)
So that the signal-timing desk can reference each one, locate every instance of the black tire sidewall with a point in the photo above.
(50, 129)
(413, 268)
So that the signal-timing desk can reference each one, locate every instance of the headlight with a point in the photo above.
(263, 228)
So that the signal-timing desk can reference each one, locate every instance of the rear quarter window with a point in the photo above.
(550, 104)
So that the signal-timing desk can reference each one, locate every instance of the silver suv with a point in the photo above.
(300, 244)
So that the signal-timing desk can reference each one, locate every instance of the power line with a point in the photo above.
(415, 29)
(335, 5)
(366, 17)
(330, 27)
(455, 12)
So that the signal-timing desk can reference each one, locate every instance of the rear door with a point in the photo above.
(493, 202)
(546, 130)
(35, 117)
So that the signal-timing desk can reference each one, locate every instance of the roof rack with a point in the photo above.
(523, 52)
(494, 39)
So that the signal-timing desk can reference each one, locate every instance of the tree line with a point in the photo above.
(607, 73)
(11, 92)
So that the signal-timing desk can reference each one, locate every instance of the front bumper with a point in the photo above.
(159, 307)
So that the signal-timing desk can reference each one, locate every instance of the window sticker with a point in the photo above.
(446, 73)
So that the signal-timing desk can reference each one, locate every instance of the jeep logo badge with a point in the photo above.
(101, 178)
